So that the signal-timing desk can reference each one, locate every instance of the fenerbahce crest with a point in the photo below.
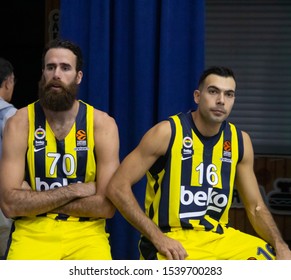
(39, 142)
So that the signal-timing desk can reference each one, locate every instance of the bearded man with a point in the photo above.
(56, 164)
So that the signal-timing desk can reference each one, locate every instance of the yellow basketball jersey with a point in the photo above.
(191, 186)
(51, 163)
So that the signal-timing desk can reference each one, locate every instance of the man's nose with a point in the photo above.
(57, 73)
(220, 98)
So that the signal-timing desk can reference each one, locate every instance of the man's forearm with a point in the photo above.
(23, 202)
(93, 207)
(266, 227)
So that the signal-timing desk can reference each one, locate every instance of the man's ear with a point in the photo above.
(196, 96)
(5, 83)
(79, 77)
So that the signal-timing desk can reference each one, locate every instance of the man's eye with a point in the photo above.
(230, 94)
(66, 68)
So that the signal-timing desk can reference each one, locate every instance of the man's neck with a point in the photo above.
(206, 129)
(62, 122)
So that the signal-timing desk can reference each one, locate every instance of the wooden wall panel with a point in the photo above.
(267, 170)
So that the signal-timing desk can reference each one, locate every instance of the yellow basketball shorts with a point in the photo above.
(43, 238)
(205, 245)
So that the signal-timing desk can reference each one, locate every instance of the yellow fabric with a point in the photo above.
(231, 245)
(66, 240)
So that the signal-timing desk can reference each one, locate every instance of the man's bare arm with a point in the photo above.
(258, 213)
(107, 156)
(132, 169)
(19, 201)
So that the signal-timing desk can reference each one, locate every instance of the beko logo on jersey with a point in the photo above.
(44, 186)
(210, 200)
(39, 143)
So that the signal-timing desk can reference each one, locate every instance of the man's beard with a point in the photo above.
(57, 100)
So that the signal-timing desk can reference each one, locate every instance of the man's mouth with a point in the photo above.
(218, 111)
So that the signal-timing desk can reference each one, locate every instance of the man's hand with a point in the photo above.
(172, 249)
(283, 255)
(25, 186)
(84, 189)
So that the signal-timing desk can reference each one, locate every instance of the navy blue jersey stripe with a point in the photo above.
(81, 126)
(40, 123)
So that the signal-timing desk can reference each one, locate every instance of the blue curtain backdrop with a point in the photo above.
(142, 62)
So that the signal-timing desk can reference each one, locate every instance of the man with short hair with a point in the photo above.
(7, 82)
(192, 162)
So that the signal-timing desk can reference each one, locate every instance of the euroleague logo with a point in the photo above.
(227, 146)
(226, 152)
(81, 135)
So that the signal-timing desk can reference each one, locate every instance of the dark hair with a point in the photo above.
(6, 69)
(216, 70)
(65, 44)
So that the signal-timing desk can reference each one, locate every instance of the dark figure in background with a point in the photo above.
(7, 82)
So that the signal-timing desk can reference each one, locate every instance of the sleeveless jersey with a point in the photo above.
(51, 163)
(191, 186)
